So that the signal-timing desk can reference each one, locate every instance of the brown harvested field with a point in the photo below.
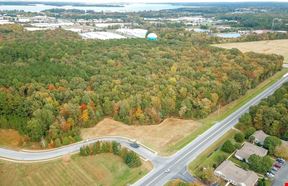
(268, 47)
(158, 137)
(102, 169)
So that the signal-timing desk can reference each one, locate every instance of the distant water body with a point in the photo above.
(125, 8)
(229, 35)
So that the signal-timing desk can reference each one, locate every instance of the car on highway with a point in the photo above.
(167, 171)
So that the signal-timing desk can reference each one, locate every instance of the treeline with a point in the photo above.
(258, 20)
(260, 37)
(129, 157)
(52, 83)
(271, 115)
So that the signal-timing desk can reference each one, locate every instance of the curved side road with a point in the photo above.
(174, 166)
(44, 155)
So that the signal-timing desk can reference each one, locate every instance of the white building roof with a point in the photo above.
(101, 35)
(139, 33)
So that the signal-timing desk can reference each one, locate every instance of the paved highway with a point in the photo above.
(176, 163)
(164, 169)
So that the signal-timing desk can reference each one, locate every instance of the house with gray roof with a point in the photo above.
(248, 149)
(236, 175)
(260, 137)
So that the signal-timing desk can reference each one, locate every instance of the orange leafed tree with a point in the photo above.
(138, 113)
(85, 115)
(66, 125)
(83, 106)
(51, 87)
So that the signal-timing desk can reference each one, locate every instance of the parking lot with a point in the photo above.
(281, 177)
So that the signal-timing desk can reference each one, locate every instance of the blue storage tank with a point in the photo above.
(152, 37)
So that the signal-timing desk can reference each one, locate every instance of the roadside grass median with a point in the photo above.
(212, 155)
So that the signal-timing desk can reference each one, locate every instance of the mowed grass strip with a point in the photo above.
(206, 158)
(225, 111)
(102, 169)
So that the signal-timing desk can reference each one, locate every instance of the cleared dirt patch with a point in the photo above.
(10, 138)
(159, 137)
(267, 47)
(102, 169)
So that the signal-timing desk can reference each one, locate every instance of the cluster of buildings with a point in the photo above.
(237, 176)
(102, 29)
(188, 20)
(117, 28)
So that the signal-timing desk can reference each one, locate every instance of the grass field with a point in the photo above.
(268, 47)
(103, 169)
(178, 182)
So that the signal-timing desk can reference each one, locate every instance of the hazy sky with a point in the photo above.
(153, 1)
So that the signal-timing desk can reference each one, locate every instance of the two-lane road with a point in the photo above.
(183, 157)
(42, 155)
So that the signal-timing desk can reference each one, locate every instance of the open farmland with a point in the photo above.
(102, 169)
(267, 47)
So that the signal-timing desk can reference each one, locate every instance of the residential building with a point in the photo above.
(260, 137)
(236, 175)
(248, 149)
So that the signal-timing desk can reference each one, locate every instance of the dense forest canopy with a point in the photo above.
(271, 115)
(52, 82)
